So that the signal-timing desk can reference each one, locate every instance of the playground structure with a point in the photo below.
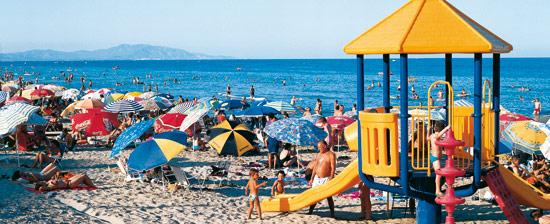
(382, 139)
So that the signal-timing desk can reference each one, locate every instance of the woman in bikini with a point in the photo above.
(64, 181)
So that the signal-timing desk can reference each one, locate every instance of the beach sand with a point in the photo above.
(133, 202)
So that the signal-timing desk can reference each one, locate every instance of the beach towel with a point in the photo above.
(85, 188)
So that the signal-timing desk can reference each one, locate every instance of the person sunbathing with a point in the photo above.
(46, 174)
(64, 181)
(53, 149)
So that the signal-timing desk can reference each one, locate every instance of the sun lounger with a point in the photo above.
(127, 175)
(219, 173)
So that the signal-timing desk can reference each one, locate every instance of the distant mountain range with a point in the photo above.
(120, 52)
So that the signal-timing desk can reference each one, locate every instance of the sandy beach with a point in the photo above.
(133, 202)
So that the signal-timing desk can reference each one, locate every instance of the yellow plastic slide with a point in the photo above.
(293, 202)
(524, 192)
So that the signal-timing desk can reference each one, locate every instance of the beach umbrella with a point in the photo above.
(233, 104)
(89, 104)
(40, 93)
(149, 105)
(281, 106)
(507, 118)
(312, 118)
(201, 106)
(9, 89)
(258, 111)
(162, 102)
(69, 110)
(70, 94)
(527, 136)
(182, 107)
(339, 122)
(17, 99)
(132, 95)
(53, 88)
(36, 119)
(147, 95)
(95, 122)
(123, 106)
(91, 96)
(231, 138)
(129, 135)
(192, 118)
(295, 131)
(352, 114)
(169, 122)
(34, 86)
(3, 96)
(112, 97)
(103, 91)
(14, 115)
(157, 151)
(166, 95)
(435, 115)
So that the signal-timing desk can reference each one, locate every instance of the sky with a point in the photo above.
(243, 28)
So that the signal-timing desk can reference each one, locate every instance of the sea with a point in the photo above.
(305, 79)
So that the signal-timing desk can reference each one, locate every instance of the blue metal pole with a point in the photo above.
(496, 100)
(360, 107)
(360, 83)
(386, 83)
(404, 116)
(477, 117)
(449, 79)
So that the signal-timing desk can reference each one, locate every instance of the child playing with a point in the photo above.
(435, 154)
(279, 185)
(251, 190)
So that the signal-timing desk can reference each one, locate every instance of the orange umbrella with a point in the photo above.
(89, 104)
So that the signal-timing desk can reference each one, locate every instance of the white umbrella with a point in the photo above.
(70, 94)
(13, 115)
(192, 118)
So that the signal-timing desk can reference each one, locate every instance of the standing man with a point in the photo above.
(323, 171)
(272, 147)
(252, 90)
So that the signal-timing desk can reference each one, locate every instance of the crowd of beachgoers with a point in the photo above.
(63, 157)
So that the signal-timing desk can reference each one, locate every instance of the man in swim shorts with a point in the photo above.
(325, 167)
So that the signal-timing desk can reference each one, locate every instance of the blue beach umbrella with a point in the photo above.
(157, 151)
(129, 135)
(296, 131)
(233, 104)
(256, 112)
(3, 96)
(166, 95)
(312, 118)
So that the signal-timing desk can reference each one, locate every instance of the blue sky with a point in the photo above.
(243, 28)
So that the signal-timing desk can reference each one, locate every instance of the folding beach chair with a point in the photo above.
(127, 175)
(219, 173)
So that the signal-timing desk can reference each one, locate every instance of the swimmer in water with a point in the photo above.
(463, 93)
(440, 94)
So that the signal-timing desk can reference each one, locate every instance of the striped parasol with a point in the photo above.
(13, 115)
(3, 96)
(181, 108)
(281, 106)
(123, 106)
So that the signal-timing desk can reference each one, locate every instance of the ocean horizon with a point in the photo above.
(308, 79)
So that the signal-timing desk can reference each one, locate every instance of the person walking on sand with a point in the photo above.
(251, 190)
(323, 171)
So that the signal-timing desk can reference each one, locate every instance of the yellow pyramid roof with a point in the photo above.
(427, 27)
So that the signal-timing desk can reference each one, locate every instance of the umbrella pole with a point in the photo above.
(17, 150)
